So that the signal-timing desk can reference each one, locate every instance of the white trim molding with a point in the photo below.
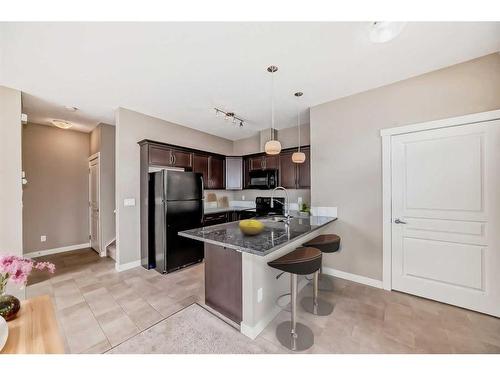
(353, 277)
(254, 331)
(386, 135)
(56, 250)
(443, 123)
(127, 266)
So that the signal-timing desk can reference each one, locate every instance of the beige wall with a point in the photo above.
(11, 240)
(55, 199)
(346, 148)
(132, 127)
(95, 140)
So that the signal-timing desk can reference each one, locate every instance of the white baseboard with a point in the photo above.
(253, 332)
(127, 266)
(352, 277)
(56, 250)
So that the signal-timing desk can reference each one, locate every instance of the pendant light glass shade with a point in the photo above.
(273, 146)
(298, 156)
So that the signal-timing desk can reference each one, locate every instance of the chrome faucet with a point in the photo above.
(287, 202)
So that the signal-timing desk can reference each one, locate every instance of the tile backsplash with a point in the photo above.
(249, 195)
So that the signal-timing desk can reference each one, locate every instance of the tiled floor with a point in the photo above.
(99, 308)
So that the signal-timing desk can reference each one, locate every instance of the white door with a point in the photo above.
(94, 204)
(446, 215)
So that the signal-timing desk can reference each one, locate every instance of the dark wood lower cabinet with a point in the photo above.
(223, 284)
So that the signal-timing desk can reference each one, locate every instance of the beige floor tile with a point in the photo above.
(141, 312)
(66, 294)
(100, 301)
(81, 328)
(117, 326)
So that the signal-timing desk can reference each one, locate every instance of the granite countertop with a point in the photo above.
(274, 236)
(216, 210)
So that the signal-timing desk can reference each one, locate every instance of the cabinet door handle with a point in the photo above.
(174, 158)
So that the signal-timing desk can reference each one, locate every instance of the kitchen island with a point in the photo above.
(238, 282)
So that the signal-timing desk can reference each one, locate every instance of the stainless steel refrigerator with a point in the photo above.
(176, 199)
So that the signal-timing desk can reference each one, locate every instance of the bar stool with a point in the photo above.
(326, 243)
(302, 261)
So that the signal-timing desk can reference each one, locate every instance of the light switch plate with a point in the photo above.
(259, 295)
(129, 202)
(43, 238)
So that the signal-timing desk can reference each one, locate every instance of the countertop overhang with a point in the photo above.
(274, 236)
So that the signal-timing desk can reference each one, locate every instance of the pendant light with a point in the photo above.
(272, 147)
(298, 156)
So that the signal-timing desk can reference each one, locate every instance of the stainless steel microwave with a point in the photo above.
(263, 179)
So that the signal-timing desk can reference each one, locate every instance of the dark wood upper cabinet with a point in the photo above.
(200, 165)
(216, 172)
(287, 171)
(256, 163)
(304, 171)
(263, 162)
(160, 156)
(292, 175)
(271, 161)
(212, 166)
(246, 173)
(182, 159)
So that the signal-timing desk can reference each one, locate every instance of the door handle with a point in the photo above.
(397, 221)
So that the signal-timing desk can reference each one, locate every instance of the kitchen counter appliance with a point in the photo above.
(264, 180)
(176, 199)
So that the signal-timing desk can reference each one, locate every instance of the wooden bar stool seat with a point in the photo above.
(326, 243)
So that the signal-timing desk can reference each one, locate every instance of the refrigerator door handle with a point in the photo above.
(202, 201)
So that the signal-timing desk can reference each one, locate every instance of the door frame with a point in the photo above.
(102, 249)
(386, 135)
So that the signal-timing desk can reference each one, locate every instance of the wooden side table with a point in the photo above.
(35, 329)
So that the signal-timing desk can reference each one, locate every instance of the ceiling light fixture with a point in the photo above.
(62, 124)
(382, 32)
(298, 157)
(229, 116)
(273, 146)
(70, 108)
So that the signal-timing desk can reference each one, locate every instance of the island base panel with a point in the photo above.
(223, 289)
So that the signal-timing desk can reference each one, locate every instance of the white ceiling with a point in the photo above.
(180, 71)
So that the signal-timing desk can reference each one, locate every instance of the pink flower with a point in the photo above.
(18, 269)
(45, 265)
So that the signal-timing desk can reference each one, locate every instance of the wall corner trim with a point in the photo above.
(253, 331)
(353, 277)
(127, 266)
